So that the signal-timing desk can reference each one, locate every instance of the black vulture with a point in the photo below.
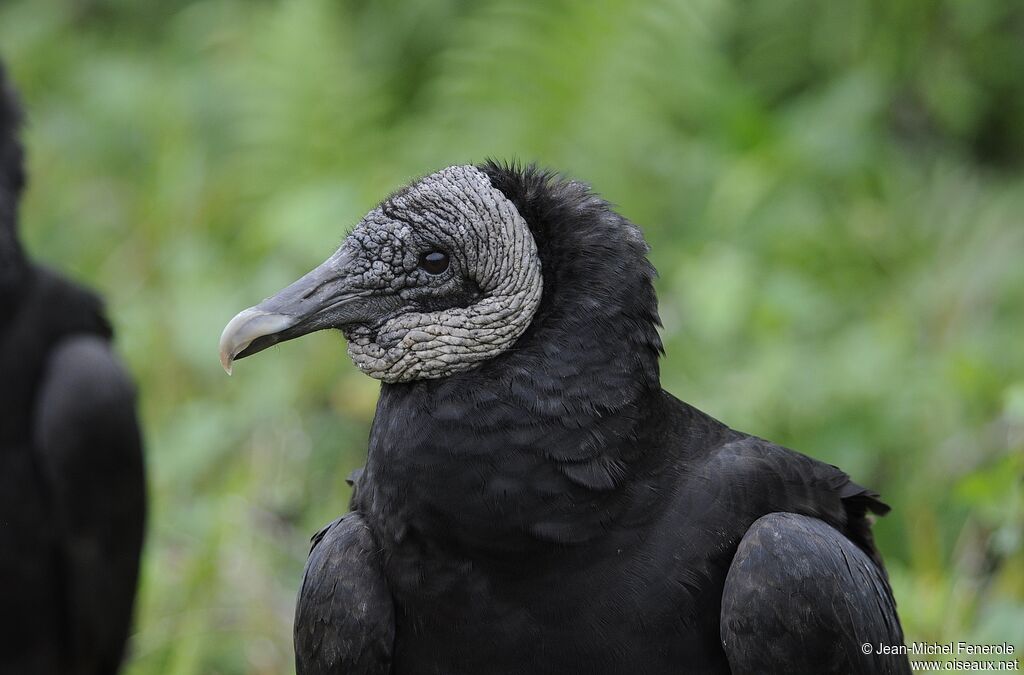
(533, 501)
(72, 493)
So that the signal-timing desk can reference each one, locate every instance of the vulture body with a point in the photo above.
(533, 501)
(72, 495)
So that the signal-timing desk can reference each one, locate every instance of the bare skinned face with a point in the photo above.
(440, 277)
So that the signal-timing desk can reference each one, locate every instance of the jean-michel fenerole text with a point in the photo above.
(954, 648)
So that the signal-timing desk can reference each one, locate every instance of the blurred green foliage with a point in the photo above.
(833, 193)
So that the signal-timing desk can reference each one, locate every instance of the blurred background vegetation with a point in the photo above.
(833, 192)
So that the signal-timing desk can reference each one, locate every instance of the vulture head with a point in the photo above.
(452, 271)
(441, 276)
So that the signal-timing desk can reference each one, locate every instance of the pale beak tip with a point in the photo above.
(248, 325)
(226, 362)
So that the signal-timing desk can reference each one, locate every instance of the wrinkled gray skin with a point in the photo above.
(458, 211)
(373, 289)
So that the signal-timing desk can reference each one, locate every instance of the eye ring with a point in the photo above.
(434, 262)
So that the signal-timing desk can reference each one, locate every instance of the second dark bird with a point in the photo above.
(72, 489)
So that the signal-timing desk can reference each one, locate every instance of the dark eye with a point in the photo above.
(434, 262)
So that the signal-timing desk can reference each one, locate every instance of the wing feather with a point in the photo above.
(344, 620)
(802, 598)
(90, 449)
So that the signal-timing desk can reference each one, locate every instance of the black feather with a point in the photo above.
(12, 182)
(801, 598)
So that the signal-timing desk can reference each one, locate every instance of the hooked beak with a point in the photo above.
(324, 298)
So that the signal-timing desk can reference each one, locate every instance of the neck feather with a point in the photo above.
(539, 444)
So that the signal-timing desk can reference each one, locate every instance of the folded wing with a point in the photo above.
(802, 598)
(344, 621)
